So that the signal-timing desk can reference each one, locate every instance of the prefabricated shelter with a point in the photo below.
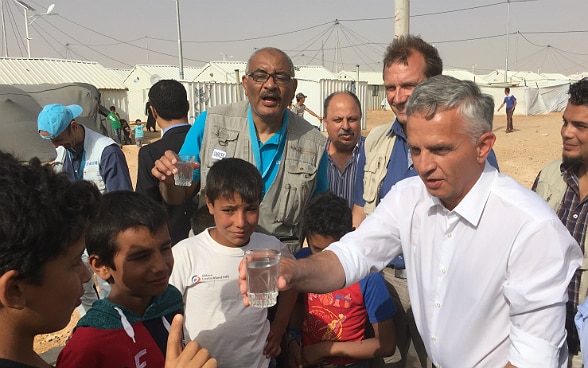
(376, 93)
(141, 77)
(22, 71)
(20, 106)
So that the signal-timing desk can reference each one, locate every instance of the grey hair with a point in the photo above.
(273, 49)
(443, 92)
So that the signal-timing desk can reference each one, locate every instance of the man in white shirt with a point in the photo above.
(488, 261)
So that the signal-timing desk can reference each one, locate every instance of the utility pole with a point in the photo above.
(180, 54)
(401, 17)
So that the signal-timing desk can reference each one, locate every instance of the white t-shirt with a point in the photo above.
(207, 274)
(487, 281)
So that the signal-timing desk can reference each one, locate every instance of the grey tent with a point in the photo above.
(20, 105)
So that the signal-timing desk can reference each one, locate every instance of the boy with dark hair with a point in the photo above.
(331, 329)
(206, 272)
(43, 217)
(129, 246)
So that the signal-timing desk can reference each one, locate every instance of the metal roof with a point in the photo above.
(373, 78)
(54, 71)
(167, 71)
(313, 73)
(119, 74)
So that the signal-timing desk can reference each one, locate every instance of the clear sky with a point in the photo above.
(545, 35)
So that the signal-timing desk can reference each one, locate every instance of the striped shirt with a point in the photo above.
(342, 183)
(574, 214)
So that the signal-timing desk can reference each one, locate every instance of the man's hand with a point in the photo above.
(287, 267)
(190, 356)
(165, 167)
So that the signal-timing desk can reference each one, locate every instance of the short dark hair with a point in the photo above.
(327, 215)
(119, 211)
(112, 108)
(579, 92)
(168, 97)
(403, 46)
(349, 93)
(42, 214)
(507, 90)
(234, 175)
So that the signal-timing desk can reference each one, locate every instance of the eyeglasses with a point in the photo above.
(260, 77)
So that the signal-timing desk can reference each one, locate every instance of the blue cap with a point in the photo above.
(55, 118)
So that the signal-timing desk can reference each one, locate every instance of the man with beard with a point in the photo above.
(343, 123)
(286, 149)
(564, 185)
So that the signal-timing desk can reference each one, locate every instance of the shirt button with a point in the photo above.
(443, 270)
(449, 235)
(438, 305)
(434, 339)
(575, 215)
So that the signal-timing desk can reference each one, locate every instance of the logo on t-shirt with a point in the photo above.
(207, 277)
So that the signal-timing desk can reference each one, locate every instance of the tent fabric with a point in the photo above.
(21, 104)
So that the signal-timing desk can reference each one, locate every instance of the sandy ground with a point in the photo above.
(521, 154)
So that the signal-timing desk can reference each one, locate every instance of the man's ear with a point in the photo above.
(153, 112)
(12, 290)
(99, 268)
(485, 144)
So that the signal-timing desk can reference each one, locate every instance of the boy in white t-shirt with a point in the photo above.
(206, 272)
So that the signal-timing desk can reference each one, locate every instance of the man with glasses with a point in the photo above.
(288, 152)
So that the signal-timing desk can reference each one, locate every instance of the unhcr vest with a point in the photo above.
(94, 144)
(226, 134)
(552, 187)
(378, 149)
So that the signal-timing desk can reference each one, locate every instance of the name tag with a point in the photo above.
(218, 154)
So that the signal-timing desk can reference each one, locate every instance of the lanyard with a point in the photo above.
(79, 174)
(256, 147)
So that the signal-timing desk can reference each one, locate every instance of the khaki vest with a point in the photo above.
(552, 187)
(378, 149)
(226, 134)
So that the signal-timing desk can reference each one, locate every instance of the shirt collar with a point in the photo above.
(472, 205)
(174, 126)
(396, 128)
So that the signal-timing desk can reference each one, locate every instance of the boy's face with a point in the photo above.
(235, 220)
(317, 242)
(143, 265)
(51, 303)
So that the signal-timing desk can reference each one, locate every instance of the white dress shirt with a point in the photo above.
(487, 281)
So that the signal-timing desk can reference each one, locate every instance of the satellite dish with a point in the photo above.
(155, 78)
(50, 9)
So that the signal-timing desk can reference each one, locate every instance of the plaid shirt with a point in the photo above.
(574, 214)
(342, 183)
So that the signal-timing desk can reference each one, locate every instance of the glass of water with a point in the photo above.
(185, 166)
(263, 269)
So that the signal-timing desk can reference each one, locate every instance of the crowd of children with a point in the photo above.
(129, 246)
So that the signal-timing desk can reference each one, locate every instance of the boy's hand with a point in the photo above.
(294, 355)
(190, 356)
(272, 346)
